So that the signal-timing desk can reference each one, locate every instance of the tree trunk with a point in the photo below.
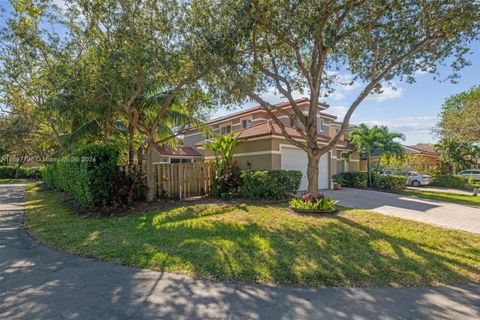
(131, 149)
(312, 173)
(17, 169)
(151, 190)
(369, 169)
(140, 156)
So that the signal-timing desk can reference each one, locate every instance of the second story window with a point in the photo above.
(320, 125)
(292, 121)
(246, 123)
(225, 130)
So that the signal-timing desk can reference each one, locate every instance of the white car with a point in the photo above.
(472, 173)
(417, 179)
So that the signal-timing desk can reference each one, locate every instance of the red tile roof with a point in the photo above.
(426, 149)
(259, 108)
(179, 151)
(268, 128)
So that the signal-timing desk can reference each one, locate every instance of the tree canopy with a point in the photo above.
(460, 117)
(134, 72)
(303, 46)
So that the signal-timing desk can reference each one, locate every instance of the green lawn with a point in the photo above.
(7, 180)
(448, 197)
(254, 243)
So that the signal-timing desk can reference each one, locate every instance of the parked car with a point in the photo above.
(470, 174)
(417, 179)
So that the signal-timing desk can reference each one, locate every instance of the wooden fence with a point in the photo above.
(182, 180)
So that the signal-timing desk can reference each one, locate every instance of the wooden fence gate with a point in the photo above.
(183, 180)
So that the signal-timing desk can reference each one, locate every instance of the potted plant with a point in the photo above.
(311, 204)
(337, 183)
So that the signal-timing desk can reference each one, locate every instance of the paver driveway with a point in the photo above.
(450, 215)
(37, 282)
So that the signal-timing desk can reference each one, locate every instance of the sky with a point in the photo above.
(411, 109)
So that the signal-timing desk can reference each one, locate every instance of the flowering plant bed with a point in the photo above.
(311, 204)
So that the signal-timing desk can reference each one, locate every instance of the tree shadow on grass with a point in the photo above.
(338, 252)
(40, 283)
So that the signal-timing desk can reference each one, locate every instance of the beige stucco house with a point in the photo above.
(264, 147)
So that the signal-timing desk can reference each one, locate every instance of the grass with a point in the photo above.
(252, 243)
(448, 197)
(7, 180)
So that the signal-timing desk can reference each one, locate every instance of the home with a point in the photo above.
(420, 157)
(264, 147)
(426, 158)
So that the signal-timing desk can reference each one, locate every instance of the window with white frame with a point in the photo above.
(246, 122)
(225, 129)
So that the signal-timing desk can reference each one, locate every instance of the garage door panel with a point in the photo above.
(296, 159)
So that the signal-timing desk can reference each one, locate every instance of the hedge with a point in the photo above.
(450, 181)
(88, 174)
(352, 179)
(274, 184)
(391, 182)
(8, 172)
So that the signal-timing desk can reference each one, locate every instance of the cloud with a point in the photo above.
(338, 111)
(406, 125)
(388, 92)
(337, 96)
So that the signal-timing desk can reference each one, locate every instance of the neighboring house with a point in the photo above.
(264, 147)
(176, 155)
(426, 158)
(421, 157)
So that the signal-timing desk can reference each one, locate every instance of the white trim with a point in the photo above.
(258, 109)
(334, 157)
(175, 156)
(354, 160)
(193, 134)
(244, 154)
(283, 138)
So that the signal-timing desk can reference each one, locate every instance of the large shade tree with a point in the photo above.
(460, 117)
(292, 46)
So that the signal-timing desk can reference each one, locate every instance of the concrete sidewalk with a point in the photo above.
(38, 282)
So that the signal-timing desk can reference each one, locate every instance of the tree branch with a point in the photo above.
(268, 107)
(368, 89)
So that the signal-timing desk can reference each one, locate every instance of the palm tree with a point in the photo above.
(365, 140)
(223, 147)
(458, 155)
(388, 147)
(174, 121)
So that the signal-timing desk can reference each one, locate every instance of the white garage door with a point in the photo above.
(296, 159)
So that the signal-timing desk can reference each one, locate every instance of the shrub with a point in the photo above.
(88, 174)
(8, 172)
(352, 179)
(227, 181)
(128, 189)
(450, 181)
(274, 184)
(309, 202)
(391, 182)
